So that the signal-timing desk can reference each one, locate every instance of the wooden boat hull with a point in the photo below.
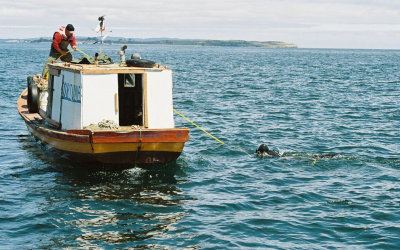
(128, 146)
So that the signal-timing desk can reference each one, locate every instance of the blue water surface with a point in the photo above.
(301, 102)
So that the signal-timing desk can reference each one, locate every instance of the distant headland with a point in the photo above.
(164, 41)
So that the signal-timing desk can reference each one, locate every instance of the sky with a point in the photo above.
(359, 24)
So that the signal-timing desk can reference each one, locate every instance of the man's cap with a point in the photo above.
(70, 28)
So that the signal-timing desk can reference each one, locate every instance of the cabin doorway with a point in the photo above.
(130, 101)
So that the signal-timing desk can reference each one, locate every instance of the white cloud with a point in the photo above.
(286, 20)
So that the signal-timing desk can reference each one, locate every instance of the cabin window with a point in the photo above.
(130, 99)
(129, 80)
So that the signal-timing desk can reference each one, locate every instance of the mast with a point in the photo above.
(101, 19)
(101, 28)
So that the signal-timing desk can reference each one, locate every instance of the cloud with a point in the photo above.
(208, 19)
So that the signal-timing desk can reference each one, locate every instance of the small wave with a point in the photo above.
(339, 201)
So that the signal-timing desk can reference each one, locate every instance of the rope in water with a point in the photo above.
(209, 133)
(220, 140)
(70, 51)
(199, 127)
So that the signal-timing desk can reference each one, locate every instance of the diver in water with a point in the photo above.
(263, 148)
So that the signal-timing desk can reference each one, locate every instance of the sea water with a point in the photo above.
(300, 102)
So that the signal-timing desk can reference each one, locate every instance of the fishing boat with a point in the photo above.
(105, 113)
(137, 100)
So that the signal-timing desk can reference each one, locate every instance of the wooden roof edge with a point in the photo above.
(102, 69)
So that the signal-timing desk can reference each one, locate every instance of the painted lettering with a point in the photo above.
(71, 92)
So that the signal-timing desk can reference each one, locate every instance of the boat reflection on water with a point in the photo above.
(129, 206)
(136, 207)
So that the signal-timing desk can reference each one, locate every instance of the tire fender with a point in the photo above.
(30, 80)
(33, 98)
(140, 63)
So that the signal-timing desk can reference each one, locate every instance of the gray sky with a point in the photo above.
(371, 24)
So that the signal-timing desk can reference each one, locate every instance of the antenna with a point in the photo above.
(101, 19)
(101, 27)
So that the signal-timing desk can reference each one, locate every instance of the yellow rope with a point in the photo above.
(72, 50)
(63, 55)
(221, 141)
(209, 133)
(198, 127)
(240, 150)
(82, 52)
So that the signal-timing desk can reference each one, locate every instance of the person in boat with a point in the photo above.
(61, 39)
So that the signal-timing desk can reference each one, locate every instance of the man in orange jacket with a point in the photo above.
(61, 39)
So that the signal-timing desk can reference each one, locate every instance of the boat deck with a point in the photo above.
(55, 68)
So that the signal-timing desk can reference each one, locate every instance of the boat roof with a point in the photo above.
(55, 68)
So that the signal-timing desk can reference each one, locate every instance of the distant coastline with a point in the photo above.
(165, 41)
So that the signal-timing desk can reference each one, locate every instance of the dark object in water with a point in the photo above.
(264, 149)
(325, 156)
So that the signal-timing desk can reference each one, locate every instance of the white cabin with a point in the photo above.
(81, 94)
